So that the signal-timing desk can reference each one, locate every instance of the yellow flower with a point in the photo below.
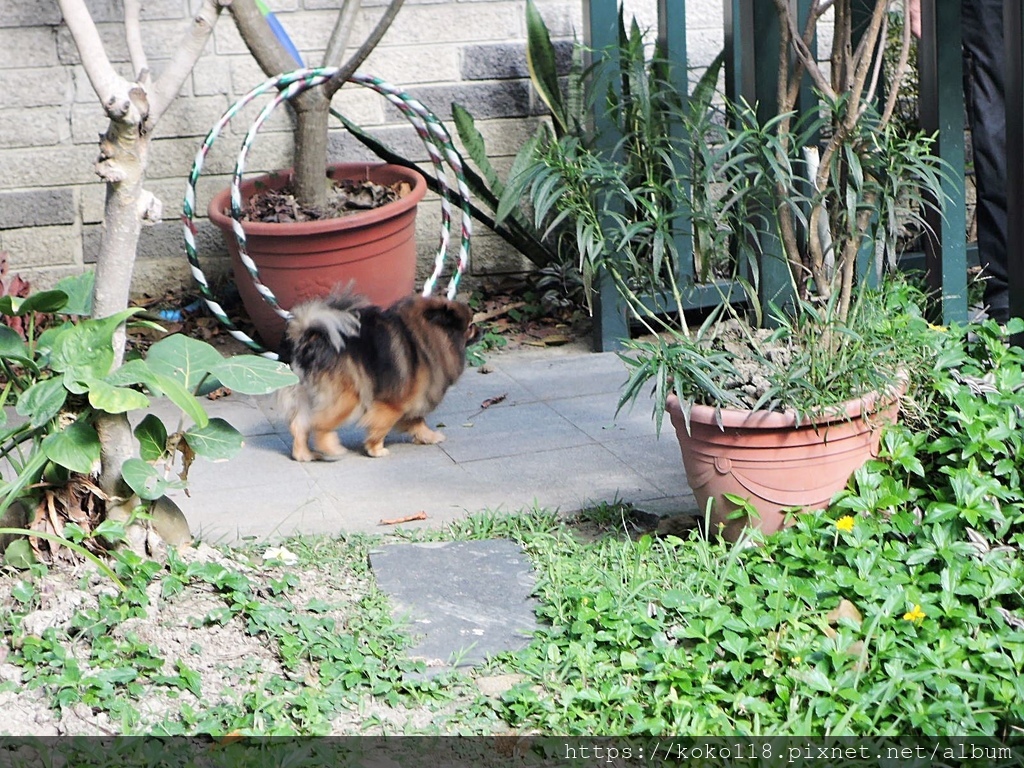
(915, 614)
(845, 523)
(940, 328)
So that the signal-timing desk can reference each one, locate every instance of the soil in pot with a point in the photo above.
(299, 256)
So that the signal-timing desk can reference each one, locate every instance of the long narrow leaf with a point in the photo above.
(541, 62)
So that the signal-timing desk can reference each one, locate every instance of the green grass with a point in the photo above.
(639, 637)
(897, 613)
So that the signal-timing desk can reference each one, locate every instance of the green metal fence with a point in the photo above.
(751, 46)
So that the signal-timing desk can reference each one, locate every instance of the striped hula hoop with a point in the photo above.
(432, 133)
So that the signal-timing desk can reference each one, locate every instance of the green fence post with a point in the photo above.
(752, 42)
(601, 29)
(672, 42)
(942, 112)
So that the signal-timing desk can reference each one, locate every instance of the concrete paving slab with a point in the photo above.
(265, 511)
(657, 461)
(464, 601)
(474, 387)
(573, 376)
(595, 416)
(554, 441)
(511, 430)
(567, 478)
(261, 460)
(243, 412)
(413, 479)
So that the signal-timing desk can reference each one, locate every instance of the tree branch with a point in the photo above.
(349, 67)
(864, 56)
(112, 89)
(264, 46)
(901, 69)
(342, 32)
(168, 85)
(133, 36)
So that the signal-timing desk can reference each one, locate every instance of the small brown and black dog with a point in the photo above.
(386, 368)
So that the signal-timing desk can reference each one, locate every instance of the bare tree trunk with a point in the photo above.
(134, 109)
(313, 114)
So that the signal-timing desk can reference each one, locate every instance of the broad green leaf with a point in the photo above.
(133, 372)
(12, 345)
(42, 401)
(152, 436)
(74, 384)
(111, 399)
(253, 375)
(19, 555)
(511, 198)
(144, 479)
(42, 301)
(540, 60)
(186, 360)
(77, 448)
(111, 530)
(175, 391)
(46, 340)
(86, 350)
(217, 440)
(79, 289)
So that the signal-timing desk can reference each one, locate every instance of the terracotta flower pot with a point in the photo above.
(777, 465)
(298, 261)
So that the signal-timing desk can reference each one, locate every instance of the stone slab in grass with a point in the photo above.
(463, 601)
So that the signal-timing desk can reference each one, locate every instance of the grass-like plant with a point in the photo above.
(823, 189)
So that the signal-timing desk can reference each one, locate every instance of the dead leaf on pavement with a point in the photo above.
(494, 400)
(408, 519)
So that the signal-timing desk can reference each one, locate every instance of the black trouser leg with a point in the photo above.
(984, 76)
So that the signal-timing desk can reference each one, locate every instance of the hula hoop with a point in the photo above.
(435, 137)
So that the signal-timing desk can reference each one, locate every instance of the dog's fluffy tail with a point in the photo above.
(319, 330)
(332, 319)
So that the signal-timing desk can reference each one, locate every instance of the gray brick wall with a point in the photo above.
(440, 51)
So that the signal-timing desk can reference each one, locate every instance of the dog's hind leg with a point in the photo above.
(326, 422)
(292, 403)
(300, 440)
(380, 418)
(420, 432)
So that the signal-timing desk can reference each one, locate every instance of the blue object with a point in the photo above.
(279, 32)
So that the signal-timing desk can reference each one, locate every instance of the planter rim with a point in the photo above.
(741, 418)
(222, 200)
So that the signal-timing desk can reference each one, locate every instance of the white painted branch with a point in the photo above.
(133, 37)
(111, 88)
(186, 54)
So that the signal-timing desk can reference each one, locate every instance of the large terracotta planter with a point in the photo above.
(375, 249)
(777, 465)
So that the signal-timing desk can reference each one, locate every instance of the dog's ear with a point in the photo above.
(450, 315)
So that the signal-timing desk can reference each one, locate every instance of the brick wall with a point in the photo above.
(51, 203)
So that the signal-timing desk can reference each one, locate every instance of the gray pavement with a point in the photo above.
(554, 441)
